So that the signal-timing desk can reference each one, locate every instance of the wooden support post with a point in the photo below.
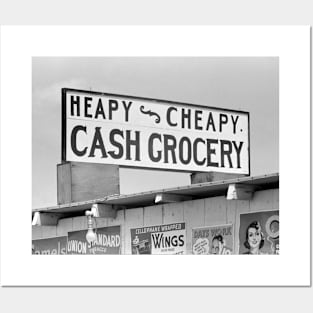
(197, 178)
(78, 181)
(103, 210)
(170, 198)
(240, 192)
(46, 219)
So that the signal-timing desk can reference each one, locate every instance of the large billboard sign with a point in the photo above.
(159, 239)
(139, 132)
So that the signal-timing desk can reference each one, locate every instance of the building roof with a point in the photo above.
(190, 192)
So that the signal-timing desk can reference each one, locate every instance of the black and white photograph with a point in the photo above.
(149, 149)
(131, 154)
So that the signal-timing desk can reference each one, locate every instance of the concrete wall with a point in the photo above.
(195, 213)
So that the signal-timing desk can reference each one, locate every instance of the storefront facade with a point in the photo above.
(207, 209)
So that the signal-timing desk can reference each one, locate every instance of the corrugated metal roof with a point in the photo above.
(195, 191)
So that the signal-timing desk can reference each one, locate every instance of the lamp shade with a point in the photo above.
(91, 236)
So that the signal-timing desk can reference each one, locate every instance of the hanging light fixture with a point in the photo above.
(91, 236)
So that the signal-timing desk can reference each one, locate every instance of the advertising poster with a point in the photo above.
(213, 239)
(259, 233)
(108, 241)
(56, 245)
(160, 239)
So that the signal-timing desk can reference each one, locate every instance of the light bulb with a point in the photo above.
(91, 237)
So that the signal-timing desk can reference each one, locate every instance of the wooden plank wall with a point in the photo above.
(195, 213)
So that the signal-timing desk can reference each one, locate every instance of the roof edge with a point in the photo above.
(114, 199)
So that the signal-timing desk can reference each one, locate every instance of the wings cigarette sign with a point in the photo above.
(139, 132)
(159, 239)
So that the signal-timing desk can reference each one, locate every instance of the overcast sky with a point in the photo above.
(247, 84)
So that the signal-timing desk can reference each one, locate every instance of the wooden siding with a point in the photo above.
(195, 213)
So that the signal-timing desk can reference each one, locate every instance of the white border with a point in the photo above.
(290, 43)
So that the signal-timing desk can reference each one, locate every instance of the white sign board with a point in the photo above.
(139, 132)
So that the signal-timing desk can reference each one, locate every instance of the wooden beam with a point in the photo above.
(170, 198)
(46, 219)
(240, 192)
(197, 178)
(103, 210)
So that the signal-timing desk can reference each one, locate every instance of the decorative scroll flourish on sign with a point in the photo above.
(151, 113)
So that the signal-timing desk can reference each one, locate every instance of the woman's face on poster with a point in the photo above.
(254, 237)
(216, 246)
